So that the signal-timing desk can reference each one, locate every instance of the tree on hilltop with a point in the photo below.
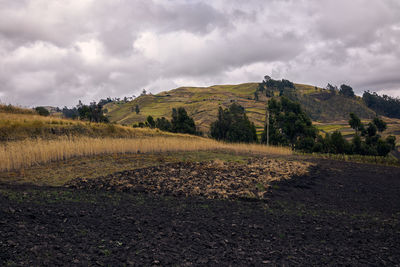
(346, 90)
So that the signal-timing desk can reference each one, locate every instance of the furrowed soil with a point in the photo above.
(304, 212)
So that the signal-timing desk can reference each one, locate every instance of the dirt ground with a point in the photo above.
(325, 213)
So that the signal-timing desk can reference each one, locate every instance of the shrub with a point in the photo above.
(42, 111)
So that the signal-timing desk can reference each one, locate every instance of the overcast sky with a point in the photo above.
(55, 52)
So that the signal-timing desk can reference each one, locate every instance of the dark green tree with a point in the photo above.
(289, 125)
(391, 140)
(137, 109)
(181, 122)
(163, 124)
(233, 125)
(42, 111)
(355, 122)
(346, 90)
(256, 96)
(93, 112)
(380, 124)
(383, 148)
(357, 145)
(372, 129)
(338, 143)
(382, 105)
(150, 122)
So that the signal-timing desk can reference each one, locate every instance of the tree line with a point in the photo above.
(289, 125)
(382, 105)
(181, 122)
(93, 112)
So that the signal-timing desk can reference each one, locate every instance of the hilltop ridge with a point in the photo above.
(202, 104)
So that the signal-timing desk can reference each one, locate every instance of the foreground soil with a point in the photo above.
(336, 213)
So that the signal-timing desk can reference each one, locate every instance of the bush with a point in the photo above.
(42, 111)
(150, 122)
(163, 124)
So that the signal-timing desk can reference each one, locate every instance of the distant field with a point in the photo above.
(393, 128)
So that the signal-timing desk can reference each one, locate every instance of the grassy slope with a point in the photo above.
(19, 126)
(202, 103)
(343, 126)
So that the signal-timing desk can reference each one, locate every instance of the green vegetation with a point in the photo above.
(346, 90)
(288, 125)
(382, 105)
(181, 123)
(269, 86)
(233, 125)
(93, 112)
(368, 142)
(42, 111)
(202, 103)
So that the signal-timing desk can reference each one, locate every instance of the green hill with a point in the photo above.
(202, 103)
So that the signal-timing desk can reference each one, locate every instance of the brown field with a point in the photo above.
(21, 154)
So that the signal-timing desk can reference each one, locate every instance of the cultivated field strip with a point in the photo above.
(22, 154)
(214, 180)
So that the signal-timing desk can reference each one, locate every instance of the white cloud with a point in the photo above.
(56, 52)
(91, 51)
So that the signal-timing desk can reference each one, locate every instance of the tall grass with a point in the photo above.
(16, 110)
(21, 154)
(14, 127)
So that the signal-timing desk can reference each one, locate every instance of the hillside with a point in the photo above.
(202, 103)
(18, 124)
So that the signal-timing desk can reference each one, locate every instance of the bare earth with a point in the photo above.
(318, 212)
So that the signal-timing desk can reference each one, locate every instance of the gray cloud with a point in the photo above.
(56, 52)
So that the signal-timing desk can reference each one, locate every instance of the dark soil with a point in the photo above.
(339, 214)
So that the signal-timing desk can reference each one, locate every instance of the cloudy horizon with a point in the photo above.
(58, 52)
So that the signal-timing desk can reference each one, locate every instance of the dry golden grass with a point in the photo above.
(15, 127)
(21, 154)
(16, 110)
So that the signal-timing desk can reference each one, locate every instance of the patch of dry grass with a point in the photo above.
(14, 127)
(22, 154)
(16, 110)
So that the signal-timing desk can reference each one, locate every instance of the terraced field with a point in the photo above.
(202, 104)
(393, 128)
